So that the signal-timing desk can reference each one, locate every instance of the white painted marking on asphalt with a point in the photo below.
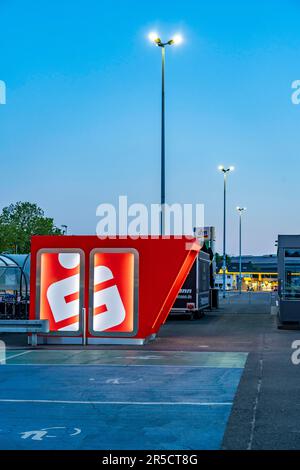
(13, 356)
(143, 358)
(255, 406)
(34, 435)
(179, 366)
(85, 402)
(39, 435)
(76, 431)
(155, 353)
(118, 381)
(113, 381)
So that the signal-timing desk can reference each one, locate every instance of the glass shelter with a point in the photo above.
(14, 285)
(289, 278)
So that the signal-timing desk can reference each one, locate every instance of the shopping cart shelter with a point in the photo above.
(14, 286)
(116, 399)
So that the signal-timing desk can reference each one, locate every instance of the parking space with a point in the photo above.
(88, 399)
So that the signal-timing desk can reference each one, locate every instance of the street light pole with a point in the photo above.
(240, 277)
(163, 161)
(224, 236)
(240, 210)
(177, 39)
(224, 171)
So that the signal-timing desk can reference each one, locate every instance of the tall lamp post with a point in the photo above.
(240, 211)
(224, 171)
(177, 39)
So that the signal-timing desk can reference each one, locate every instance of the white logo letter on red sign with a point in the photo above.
(108, 297)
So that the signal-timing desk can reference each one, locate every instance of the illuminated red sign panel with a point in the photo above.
(112, 303)
(59, 290)
(113, 292)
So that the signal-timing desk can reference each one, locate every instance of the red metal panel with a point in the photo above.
(163, 265)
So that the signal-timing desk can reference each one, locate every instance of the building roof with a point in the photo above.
(265, 263)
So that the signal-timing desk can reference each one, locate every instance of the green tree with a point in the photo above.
(219, 260)
(18, 222)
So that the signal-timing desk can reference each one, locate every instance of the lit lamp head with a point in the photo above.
(176, 40)
(225, 170)
(154, 37)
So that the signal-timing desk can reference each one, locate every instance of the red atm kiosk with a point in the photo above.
(114, 290)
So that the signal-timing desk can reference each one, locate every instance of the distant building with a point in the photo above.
(230, 281)
(259, 273)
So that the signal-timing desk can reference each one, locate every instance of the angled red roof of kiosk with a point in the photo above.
(145, 273)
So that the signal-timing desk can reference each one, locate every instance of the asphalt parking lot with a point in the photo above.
(224, 381)
(117, 399)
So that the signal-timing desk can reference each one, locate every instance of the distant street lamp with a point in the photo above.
(177, 39)
(224, 171)
(240, 211)
(64, 229)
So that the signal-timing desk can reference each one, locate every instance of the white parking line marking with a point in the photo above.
(98, 364)
(85, 402)
(13, 356)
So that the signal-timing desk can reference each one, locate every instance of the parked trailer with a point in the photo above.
(194, 296)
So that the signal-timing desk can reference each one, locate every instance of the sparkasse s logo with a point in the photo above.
(112, 300)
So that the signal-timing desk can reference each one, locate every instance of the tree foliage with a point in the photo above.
(18, 222)
(219, 260)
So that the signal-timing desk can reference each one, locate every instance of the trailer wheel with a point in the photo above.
(189, 314)
(198, 314)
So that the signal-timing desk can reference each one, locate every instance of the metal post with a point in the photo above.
(240, 277)
(34, 339)
(84, 339)
(224, 238)
(163, 182)
(240, 211)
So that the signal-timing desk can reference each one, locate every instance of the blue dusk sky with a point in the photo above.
(82, 120)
